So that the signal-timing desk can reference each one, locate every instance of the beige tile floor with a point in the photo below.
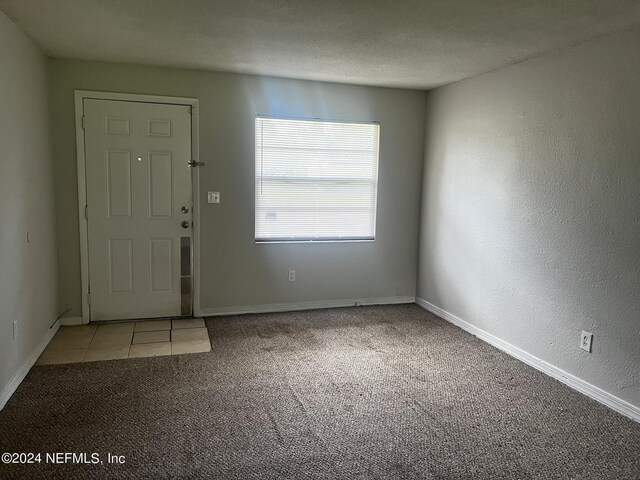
(146, 338)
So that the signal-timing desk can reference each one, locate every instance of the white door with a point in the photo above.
(139, 208)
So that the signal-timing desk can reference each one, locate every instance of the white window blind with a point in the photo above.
(315, 180)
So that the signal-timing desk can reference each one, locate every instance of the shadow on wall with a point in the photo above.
(529, 219)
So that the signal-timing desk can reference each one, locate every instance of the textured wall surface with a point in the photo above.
(28, 291)
(531, 208)
(235, 272)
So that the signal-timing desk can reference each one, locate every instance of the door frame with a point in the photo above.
(79, 97)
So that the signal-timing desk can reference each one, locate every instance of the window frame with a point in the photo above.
(313, 240)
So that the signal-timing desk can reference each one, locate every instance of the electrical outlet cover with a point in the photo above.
(585, 341)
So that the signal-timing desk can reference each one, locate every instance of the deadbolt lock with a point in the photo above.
(185, 209)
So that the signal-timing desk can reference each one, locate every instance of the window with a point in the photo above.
(315, 180)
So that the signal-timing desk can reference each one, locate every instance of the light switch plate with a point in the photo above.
(213, 197)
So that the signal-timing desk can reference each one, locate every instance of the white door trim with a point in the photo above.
(80, 95)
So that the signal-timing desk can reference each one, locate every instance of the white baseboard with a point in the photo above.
(26, 366)
(71, 321)
(292, 307)
(607, 399)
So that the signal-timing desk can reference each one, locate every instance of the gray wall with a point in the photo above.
(28, 291)
(235, 271)
(530, 224)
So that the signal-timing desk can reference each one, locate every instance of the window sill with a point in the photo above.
(337, 240)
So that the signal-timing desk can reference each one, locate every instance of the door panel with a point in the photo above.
(161, 261)
(117, 125)
(160, 184)
(121, 265)
(119, 183)
(137, 183)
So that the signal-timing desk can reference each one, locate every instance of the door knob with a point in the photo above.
(185, 224)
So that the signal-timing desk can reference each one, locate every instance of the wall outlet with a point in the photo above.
(15, 329)
(292, 275)
(585, 341)
(213, 197)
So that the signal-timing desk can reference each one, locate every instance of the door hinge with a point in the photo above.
(86, 212)
(83, 123)
(88, 299)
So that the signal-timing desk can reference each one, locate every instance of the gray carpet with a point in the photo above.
(370, 393)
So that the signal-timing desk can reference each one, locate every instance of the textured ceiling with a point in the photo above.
(401, 43)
